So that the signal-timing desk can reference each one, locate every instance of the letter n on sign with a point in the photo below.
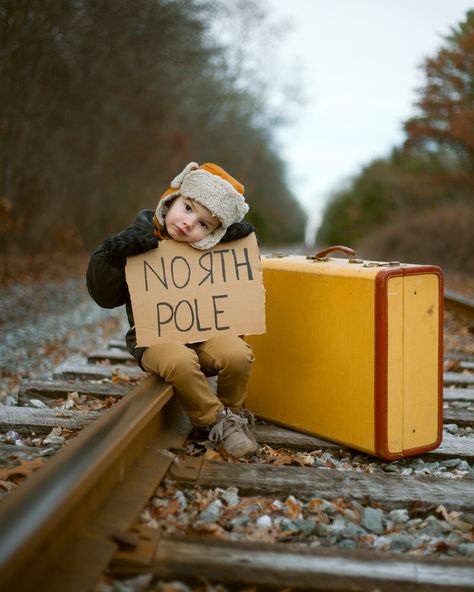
(181, 294)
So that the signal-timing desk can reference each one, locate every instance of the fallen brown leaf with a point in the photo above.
(24, 469)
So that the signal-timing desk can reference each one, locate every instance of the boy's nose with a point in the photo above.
(189, 222)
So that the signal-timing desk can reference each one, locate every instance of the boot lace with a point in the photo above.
(249, 417)
(227, 425)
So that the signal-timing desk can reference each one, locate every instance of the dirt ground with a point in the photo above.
(46, 317)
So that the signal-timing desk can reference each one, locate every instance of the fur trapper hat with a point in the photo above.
(212, 187)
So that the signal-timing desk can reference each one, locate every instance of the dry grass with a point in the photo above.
(39, 267)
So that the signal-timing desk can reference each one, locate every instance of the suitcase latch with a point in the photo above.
(382, 264)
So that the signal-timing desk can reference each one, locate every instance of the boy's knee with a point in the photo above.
(238, 354)
(246, 353)
(168, 359)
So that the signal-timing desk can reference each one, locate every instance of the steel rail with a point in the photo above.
(459, 303)
(58, 522)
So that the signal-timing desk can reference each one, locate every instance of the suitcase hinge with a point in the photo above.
(277, 255)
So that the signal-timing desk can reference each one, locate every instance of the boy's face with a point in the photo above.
(187, 221)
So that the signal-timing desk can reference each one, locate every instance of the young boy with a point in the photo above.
(203, 206)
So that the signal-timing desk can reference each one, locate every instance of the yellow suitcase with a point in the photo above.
(352, 352)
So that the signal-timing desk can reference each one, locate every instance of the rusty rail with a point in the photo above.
(459, 303)
(62, 510)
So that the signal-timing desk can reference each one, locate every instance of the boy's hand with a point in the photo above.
(131, 241)
(237, 230)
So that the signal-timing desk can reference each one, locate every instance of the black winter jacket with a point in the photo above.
(108, 287)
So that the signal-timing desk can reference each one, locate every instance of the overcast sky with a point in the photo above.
(360, 68)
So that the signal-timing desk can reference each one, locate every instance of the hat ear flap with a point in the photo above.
(242, 209)
(176, 182)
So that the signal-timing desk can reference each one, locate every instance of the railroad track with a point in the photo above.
(459, 303)
(134, 493)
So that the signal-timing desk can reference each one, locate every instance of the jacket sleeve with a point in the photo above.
(106, 284)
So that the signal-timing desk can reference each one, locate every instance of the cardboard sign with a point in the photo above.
(182, 294)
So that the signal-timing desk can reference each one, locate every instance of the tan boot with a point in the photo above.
(233, 431)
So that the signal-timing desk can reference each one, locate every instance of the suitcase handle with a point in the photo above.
(322, 255)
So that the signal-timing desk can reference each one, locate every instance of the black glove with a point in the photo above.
(237, 230)
(131, 241)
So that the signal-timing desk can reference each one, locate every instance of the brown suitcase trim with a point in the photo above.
(381, 361)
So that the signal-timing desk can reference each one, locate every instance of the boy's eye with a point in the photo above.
(203, 224)
(188, 207)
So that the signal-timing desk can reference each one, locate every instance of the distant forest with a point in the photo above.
(417, 204)
(103, 103)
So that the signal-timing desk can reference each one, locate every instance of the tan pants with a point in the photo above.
(186, 368)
